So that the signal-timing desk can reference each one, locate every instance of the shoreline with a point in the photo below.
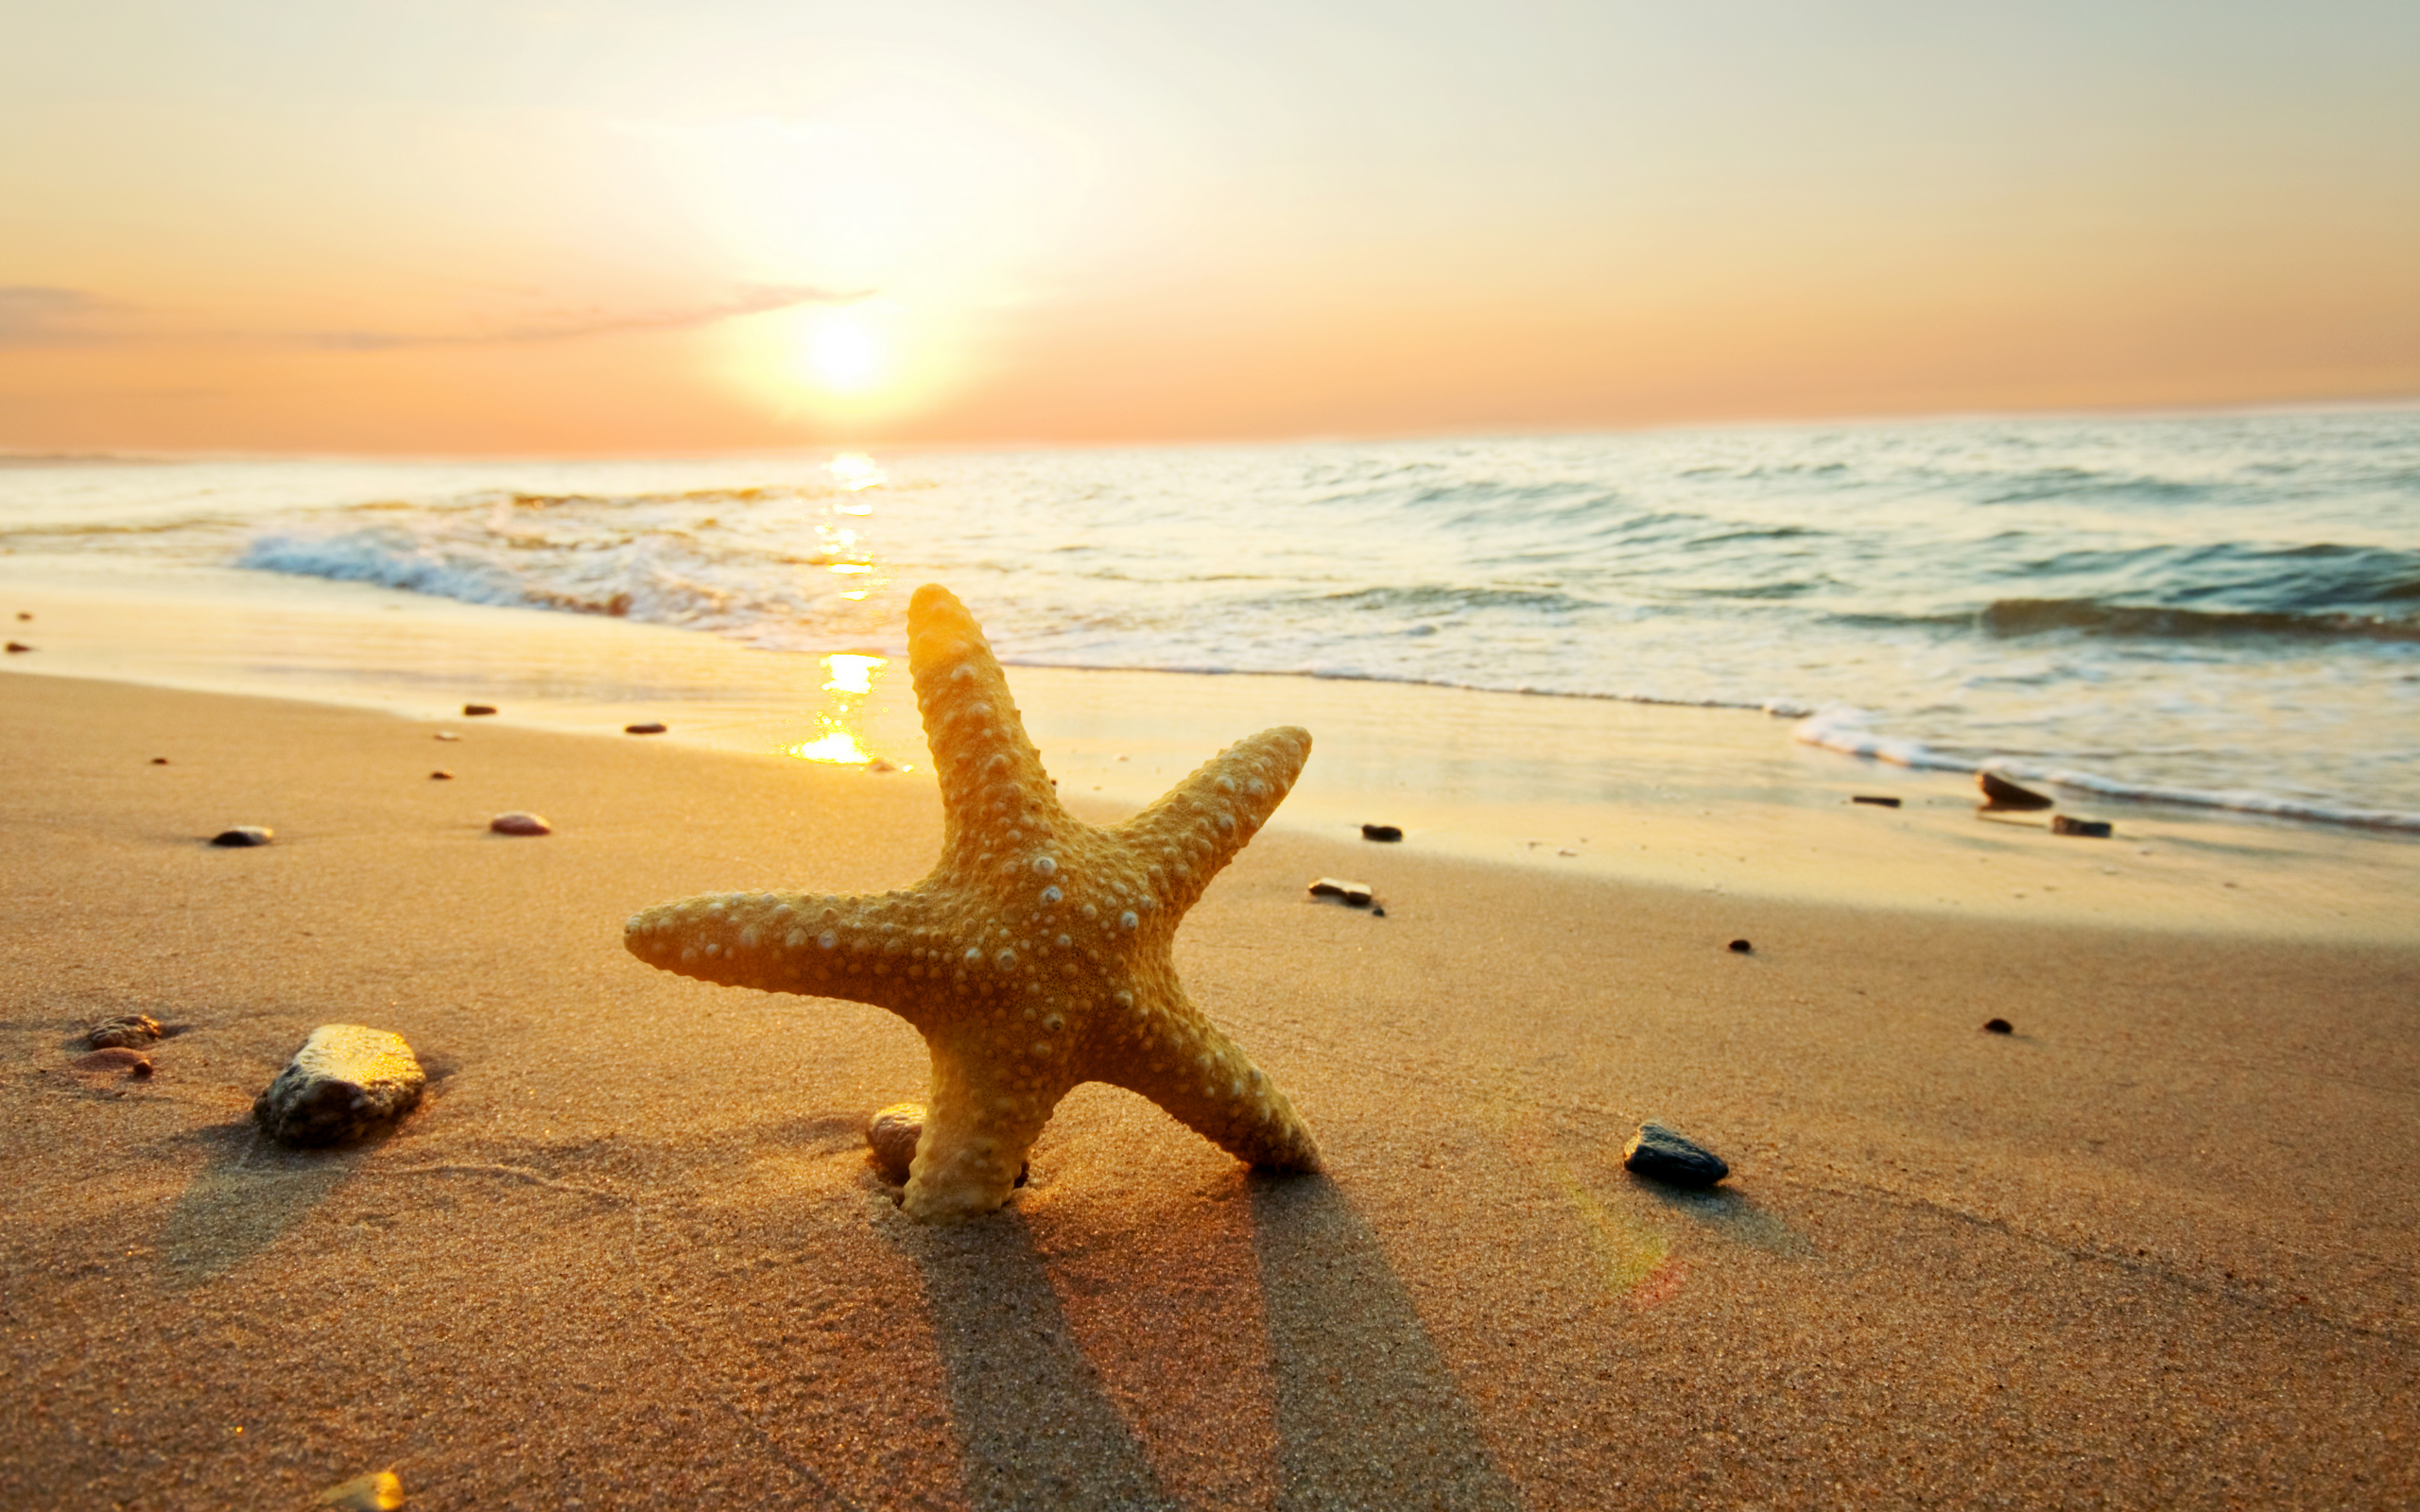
(2109, 1249)
(1723, 800)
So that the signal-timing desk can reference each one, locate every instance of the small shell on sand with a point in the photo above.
(518, 822)
(381, 1492)
(891, 1137)
(345, 1083)
(125, 1030)
(244, 835)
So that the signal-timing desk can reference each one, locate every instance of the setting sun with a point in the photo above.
(843, 353)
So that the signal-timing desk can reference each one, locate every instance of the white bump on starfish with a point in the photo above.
(968, 954)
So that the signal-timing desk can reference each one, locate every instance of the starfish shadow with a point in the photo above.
(1035, 1427)
(1367, 1412)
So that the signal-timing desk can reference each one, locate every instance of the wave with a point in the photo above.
(2036, 616)
(1845, 730)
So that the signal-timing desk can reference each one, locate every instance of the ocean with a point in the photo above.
(2221, 612)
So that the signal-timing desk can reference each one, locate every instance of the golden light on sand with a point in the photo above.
(852, 673)
(838, 747)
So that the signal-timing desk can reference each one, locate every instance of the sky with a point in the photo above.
(500, 227)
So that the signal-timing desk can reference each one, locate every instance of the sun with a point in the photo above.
(846, 354)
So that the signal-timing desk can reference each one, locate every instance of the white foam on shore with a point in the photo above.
(1846, 729)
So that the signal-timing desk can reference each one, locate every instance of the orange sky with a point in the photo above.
(513, 228)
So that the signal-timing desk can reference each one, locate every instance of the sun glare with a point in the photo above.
(848, 678)
(846, 354)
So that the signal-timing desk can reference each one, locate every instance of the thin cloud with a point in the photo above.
(591, 323)
(38, 314)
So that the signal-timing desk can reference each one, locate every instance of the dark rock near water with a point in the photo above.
(1659, 1154)
(1740, 947)
(1354, 894)
(1381, 831)
(473, 710)
(518, 822)
(1377, 911)
(125, 1030)
(2089, 829)
(1999, 793)
(1998, 1026)
(244, 835)
(346, 1083)
(645, 726)
(1876, 799)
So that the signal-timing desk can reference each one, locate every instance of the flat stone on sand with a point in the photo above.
(346, 1083)
(1661, 1154)
(1358, 894)
(125, 1030)
(518, 822)
(244, 835)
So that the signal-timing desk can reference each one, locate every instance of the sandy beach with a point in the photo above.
(2153, 1248)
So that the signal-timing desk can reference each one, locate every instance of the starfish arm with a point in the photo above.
(1186, 1065)
(1189, 836)
(873, 947)
(994, 789)
(980, 1118)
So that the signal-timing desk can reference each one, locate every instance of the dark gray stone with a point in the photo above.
(244, 835)
(1999, 793)
(1657, 1153)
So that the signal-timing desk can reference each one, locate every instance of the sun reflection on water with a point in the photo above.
(848, 679)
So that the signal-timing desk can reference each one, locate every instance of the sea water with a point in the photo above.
(2217, 611)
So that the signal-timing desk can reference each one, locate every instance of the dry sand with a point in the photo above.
(2155, 1249)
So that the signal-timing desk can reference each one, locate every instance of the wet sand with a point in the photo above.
(2154, 1248)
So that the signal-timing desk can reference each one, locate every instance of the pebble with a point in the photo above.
(1999, 793)
(125, 1030)
(25, 614)
(1355, 894)
(1740, 947)
(1876, 799)
(1998, 1026)
(645, 726)
(517, 822)
(345, 1083)
(891, 1137)
(117, 1058)
(441, 775)
(473, 710)
(1381, 831)
(2089, 829)
(1658, 1153)
(19, 645)
(382, 1492)
(882, 763)
(159, 761)
(447, 735)
(244, 835)
(1377, 911)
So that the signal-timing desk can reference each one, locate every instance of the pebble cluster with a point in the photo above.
(1036, 956)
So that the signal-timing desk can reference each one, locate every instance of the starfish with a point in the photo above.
(1036, 956)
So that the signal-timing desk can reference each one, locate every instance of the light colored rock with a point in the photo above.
(518, 822)
(892, 1137)
(346, 1083)
(125, 1030)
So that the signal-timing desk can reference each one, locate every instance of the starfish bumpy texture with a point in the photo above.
(1036, 956)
